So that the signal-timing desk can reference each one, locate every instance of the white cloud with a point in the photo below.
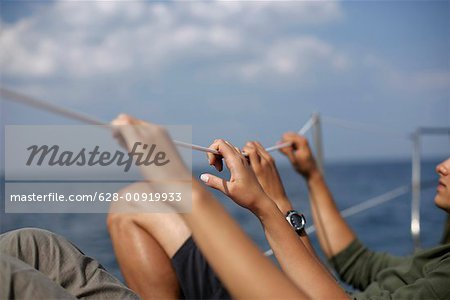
(87, 39)
(294, 55)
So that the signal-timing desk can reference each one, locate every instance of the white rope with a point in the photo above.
(375, 201)
(365, 205)
(40, 104)
(364, 127)
(310, 123)
(74, 115)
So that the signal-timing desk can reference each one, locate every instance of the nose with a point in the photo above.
(441, 169)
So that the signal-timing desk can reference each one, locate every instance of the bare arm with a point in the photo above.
(296, 260)
(234, 257)
(300, 265)
(266, 171)
(332, 230)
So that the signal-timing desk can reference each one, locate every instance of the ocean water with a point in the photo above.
(384, 228)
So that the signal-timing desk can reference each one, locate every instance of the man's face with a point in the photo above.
(442, 198)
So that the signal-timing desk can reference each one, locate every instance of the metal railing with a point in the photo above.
(416, 177)
(415, 160)
(315, 123)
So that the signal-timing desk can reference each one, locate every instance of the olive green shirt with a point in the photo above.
(424, 275)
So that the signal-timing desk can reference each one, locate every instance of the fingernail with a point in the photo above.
(204, 178)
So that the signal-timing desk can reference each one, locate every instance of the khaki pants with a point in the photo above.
(38, 264)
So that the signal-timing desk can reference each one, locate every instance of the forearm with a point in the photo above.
(332, 230)
(299, 263)
(237, 261)
(284, 205)
(307, 242)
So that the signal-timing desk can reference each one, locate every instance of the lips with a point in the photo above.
(441, 186)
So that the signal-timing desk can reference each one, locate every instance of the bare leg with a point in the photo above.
(144, 245)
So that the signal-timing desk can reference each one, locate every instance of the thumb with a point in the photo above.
(215, 182)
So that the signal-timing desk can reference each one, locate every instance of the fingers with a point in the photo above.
(121, 120)
(288, 151)
(215, 182)
(215, 160)
(124, 119)
(263, 153)
(128, 130)
(289, 137)
(253, 156)
(232, 155)
(297, 140)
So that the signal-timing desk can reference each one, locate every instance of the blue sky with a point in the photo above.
(238, 70)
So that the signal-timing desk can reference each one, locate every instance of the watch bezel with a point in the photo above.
(289, 216)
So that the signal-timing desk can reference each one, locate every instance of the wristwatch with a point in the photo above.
(296, 220)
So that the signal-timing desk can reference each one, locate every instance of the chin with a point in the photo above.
(442, 202)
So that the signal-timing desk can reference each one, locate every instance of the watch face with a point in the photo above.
(297, 221)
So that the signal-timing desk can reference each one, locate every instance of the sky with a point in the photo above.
(239, 70)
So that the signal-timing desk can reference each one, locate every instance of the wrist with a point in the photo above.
(314, 176)
(307, 168)
(265, 208)
(283, 204)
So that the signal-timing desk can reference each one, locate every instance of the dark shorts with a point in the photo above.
(197, 279)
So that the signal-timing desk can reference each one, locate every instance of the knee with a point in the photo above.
(121, 215)
(15, 241)
(120, 222)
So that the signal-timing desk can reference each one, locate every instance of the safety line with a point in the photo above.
(365, 205)
(11, 95)
(310, 123)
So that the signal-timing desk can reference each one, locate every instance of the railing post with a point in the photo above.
(317, 139)
(415, 200)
